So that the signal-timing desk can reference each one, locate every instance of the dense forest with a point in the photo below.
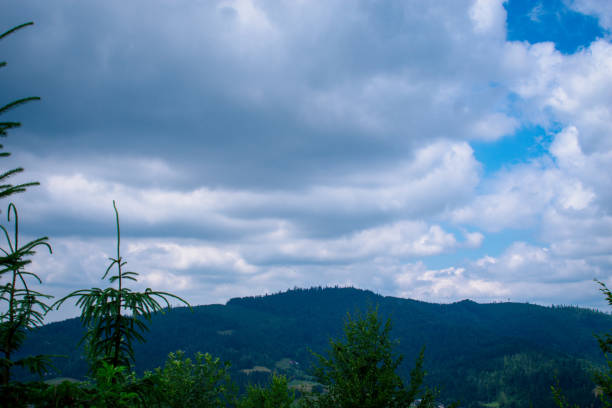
(502, 353)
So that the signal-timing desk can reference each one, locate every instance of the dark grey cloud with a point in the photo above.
(305, 92)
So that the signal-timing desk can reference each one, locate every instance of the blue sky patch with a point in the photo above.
(526, 144)
(551, 20)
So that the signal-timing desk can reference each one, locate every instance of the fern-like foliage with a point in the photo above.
(115, 317)
(23, 306)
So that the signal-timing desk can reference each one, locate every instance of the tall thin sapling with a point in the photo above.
(116, 316)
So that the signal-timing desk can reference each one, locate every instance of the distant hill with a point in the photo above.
(501, 353)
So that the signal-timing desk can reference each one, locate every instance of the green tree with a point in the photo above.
(276, 395)
(360, 371)
(202, 382)
(24, 309)
(115, 317)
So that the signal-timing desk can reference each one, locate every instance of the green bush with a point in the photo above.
(202, 382)
(276, 395)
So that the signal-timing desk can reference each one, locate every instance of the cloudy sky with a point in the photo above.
(433, 150)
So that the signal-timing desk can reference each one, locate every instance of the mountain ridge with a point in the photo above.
(465, 341)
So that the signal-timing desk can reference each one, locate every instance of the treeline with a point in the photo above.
(523, 380)
(359, 370)
(265, 331)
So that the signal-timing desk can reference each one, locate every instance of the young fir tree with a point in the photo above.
(24, 309)
(115, 317)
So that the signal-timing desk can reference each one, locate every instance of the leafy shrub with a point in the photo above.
(201, 382)
(276, 395)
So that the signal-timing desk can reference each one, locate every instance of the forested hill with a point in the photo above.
(474, 352)
(463, 328)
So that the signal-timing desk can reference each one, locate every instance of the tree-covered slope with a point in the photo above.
(502, 353)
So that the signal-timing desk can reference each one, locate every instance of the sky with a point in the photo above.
(430, 150)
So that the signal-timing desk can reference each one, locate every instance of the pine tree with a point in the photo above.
(115, 317)
(24, 308)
